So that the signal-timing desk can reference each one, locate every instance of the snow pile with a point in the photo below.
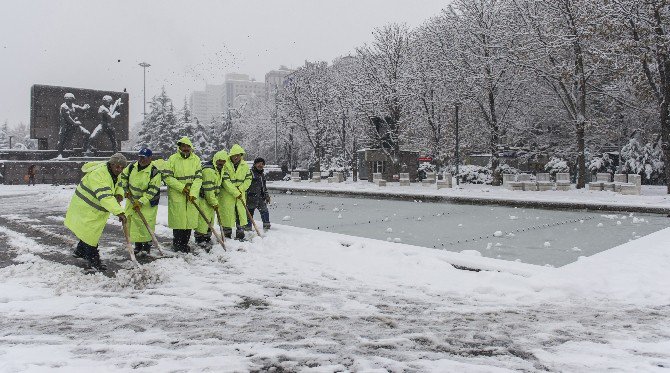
(305, 300)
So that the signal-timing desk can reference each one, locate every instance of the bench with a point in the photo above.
(404, 179)
(429, 180)
(563, 181)
(544, 182)
(446, 181)
(378, 179)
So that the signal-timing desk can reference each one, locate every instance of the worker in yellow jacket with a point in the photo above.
(141, 180)
(209, 197)
(91, 204)
(236, 180)
(182, 173)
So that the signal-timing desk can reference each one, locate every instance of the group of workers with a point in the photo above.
(225, 187)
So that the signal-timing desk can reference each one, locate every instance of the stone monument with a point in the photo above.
(63, 118)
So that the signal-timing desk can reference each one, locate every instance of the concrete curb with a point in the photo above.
(555, 205)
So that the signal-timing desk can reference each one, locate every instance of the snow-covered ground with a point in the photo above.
(303, 300)
(654, 197)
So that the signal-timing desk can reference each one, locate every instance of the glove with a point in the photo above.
(215, 207)
(186, 190)
(239, 196)
(128, 194)
(137, 205)
(119, 198)
(191, 198)
(122, 218)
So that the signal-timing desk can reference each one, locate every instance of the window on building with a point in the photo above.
(378, 167)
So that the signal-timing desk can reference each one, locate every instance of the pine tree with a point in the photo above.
(4, 136)
(160, 130)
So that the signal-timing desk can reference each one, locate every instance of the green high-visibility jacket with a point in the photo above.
(144, 185)
(92, 202)
(209, 193)
(235, 182)
(177, 173)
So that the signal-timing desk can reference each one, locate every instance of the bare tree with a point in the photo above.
(647, 39)
(384, 64)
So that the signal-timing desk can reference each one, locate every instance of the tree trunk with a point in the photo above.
(665, 137)
(581, 155)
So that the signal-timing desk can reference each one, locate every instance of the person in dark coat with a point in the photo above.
(257, 194)
(31, 175)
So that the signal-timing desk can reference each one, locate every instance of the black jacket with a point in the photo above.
(258, 189)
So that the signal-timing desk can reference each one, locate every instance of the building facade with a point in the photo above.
(275, 79)
(218, 98)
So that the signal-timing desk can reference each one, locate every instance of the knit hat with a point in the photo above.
(259, 160)
(118, 159)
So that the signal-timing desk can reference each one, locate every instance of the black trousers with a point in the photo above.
(180, 238)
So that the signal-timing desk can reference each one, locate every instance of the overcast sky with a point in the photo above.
(98, 45)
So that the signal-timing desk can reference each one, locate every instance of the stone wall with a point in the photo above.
(49, 171)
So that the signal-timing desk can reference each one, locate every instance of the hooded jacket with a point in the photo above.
(236, 181)
(178, 173)
(144, 185)
(209, 193)
(92, 202)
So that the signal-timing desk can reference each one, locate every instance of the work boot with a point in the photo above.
(80, 250)
(138, 249)
(247, 228)
(227, 232)
(93, 257)
(266, 226)
(239, 234)
(146, 247)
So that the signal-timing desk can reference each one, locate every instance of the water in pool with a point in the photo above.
(536, 236)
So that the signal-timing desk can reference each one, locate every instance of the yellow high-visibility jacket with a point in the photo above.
(209, 193)
(144, 185)
(177, 173)
(92, 202)
(235, 182)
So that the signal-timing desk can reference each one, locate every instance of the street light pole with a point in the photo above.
(276, 126)
(10, 141)
(457, 104)
(144, 90)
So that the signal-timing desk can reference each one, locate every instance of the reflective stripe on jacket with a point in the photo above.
(92, 202)
(179, 172)
(144, 185)
(209, 193)
(234, 183)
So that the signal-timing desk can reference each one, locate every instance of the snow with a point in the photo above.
(305, 300)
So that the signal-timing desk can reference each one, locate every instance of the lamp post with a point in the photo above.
(10, 141)
(457, 104)
(144, 90)
(276, 125)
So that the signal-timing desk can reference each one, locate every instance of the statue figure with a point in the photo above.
(107, 113)
(69, 123)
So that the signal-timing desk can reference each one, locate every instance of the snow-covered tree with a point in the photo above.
(306, 103)
(556, 165)
(384, 63)
(646, 38)
(4, 136)
(160, 130)
(646, 161)
(557, 41)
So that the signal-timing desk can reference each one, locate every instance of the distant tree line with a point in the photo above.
(571, 80)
